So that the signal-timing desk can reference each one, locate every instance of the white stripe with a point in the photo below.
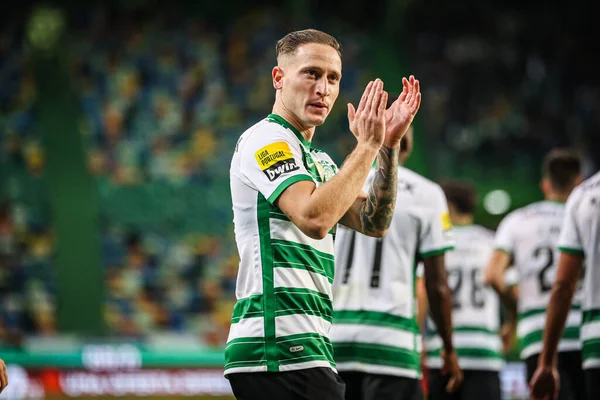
(299, 278)
(378, 369)
(590, 331)
(591, 363)
(261, 368)
(296, 324)
(488, 364)
(537, 322)
(476, 340)
(373, 334)
(535, 348)
(305, 365)
(247, 327)
(286, 230)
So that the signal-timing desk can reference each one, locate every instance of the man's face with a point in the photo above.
(308, 82)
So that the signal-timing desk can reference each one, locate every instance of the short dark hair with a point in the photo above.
(290, 42)
(461, 194)
(562, 167)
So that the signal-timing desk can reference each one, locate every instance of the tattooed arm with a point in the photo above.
(371, 213)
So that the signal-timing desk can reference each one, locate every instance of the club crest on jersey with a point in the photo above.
(275, 160)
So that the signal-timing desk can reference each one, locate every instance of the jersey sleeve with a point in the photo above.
(511, 277)
(420, 272)
(570, 238)
(271, 160)
(505, 235)
(436, 236)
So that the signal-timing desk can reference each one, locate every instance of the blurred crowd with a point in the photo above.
(504, 84)
(163, 100)
(164, 97)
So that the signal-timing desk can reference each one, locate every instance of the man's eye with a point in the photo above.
(312, 73)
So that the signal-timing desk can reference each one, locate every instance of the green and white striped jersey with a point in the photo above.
(475, 307)
(581, 235)
(283, 313)
(530, 235)
(374, 328)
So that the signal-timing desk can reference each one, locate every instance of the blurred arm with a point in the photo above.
(439, 296)
(567, 276)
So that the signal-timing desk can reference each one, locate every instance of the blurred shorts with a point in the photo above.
(304, 384)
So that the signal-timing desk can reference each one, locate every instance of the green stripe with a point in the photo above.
(504, 250)
(307, 346)
(243, 351)
(287, 183)
(277, 215)
(376, 354)
(315, 348)
(570, 333)
(250, 307)
(468, 329)
(437, 252)
(375, 318)
(303, 301)
(591, 348)
(568, 250)
(590, 316)
(296, 255)
(537, 311)
(266, 254)
(470, 353)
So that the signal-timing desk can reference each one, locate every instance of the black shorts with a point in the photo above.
(304, 384)
(365, 386)
(572, 381)
(592, 383)
(477, 385)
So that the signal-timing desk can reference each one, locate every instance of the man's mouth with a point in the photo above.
(320, 106)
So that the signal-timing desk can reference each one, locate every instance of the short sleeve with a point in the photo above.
(271, 159)
(505, 240)
(570, 238)
(436, 236)
(511, 277)
(420, 272)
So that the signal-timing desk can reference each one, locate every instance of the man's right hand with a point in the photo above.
(367, 122)
(3, 376)
(450, 367)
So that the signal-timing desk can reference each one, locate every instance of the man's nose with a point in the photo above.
(323, 87)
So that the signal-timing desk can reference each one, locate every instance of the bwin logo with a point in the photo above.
(280, 168)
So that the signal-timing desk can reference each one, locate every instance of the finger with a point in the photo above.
(363, 99)
(351, 113)
(376, 89)
(416, 92)
(382, 104)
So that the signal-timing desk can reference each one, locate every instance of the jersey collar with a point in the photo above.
(279, 120)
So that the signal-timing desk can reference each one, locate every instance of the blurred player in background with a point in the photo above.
(528, 238)
(579, 243)
(287, 200)
(475, 308)
(375, 335)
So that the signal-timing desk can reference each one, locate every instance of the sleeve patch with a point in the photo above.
(275, 160)
(446, 224)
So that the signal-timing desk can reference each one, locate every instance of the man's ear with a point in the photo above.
(277, 75)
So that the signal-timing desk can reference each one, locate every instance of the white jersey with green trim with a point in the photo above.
(530, 235)
(374, 328)
(581, 235)
(475, 307)
(283, 313)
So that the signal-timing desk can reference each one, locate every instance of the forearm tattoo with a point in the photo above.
(377, 210)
